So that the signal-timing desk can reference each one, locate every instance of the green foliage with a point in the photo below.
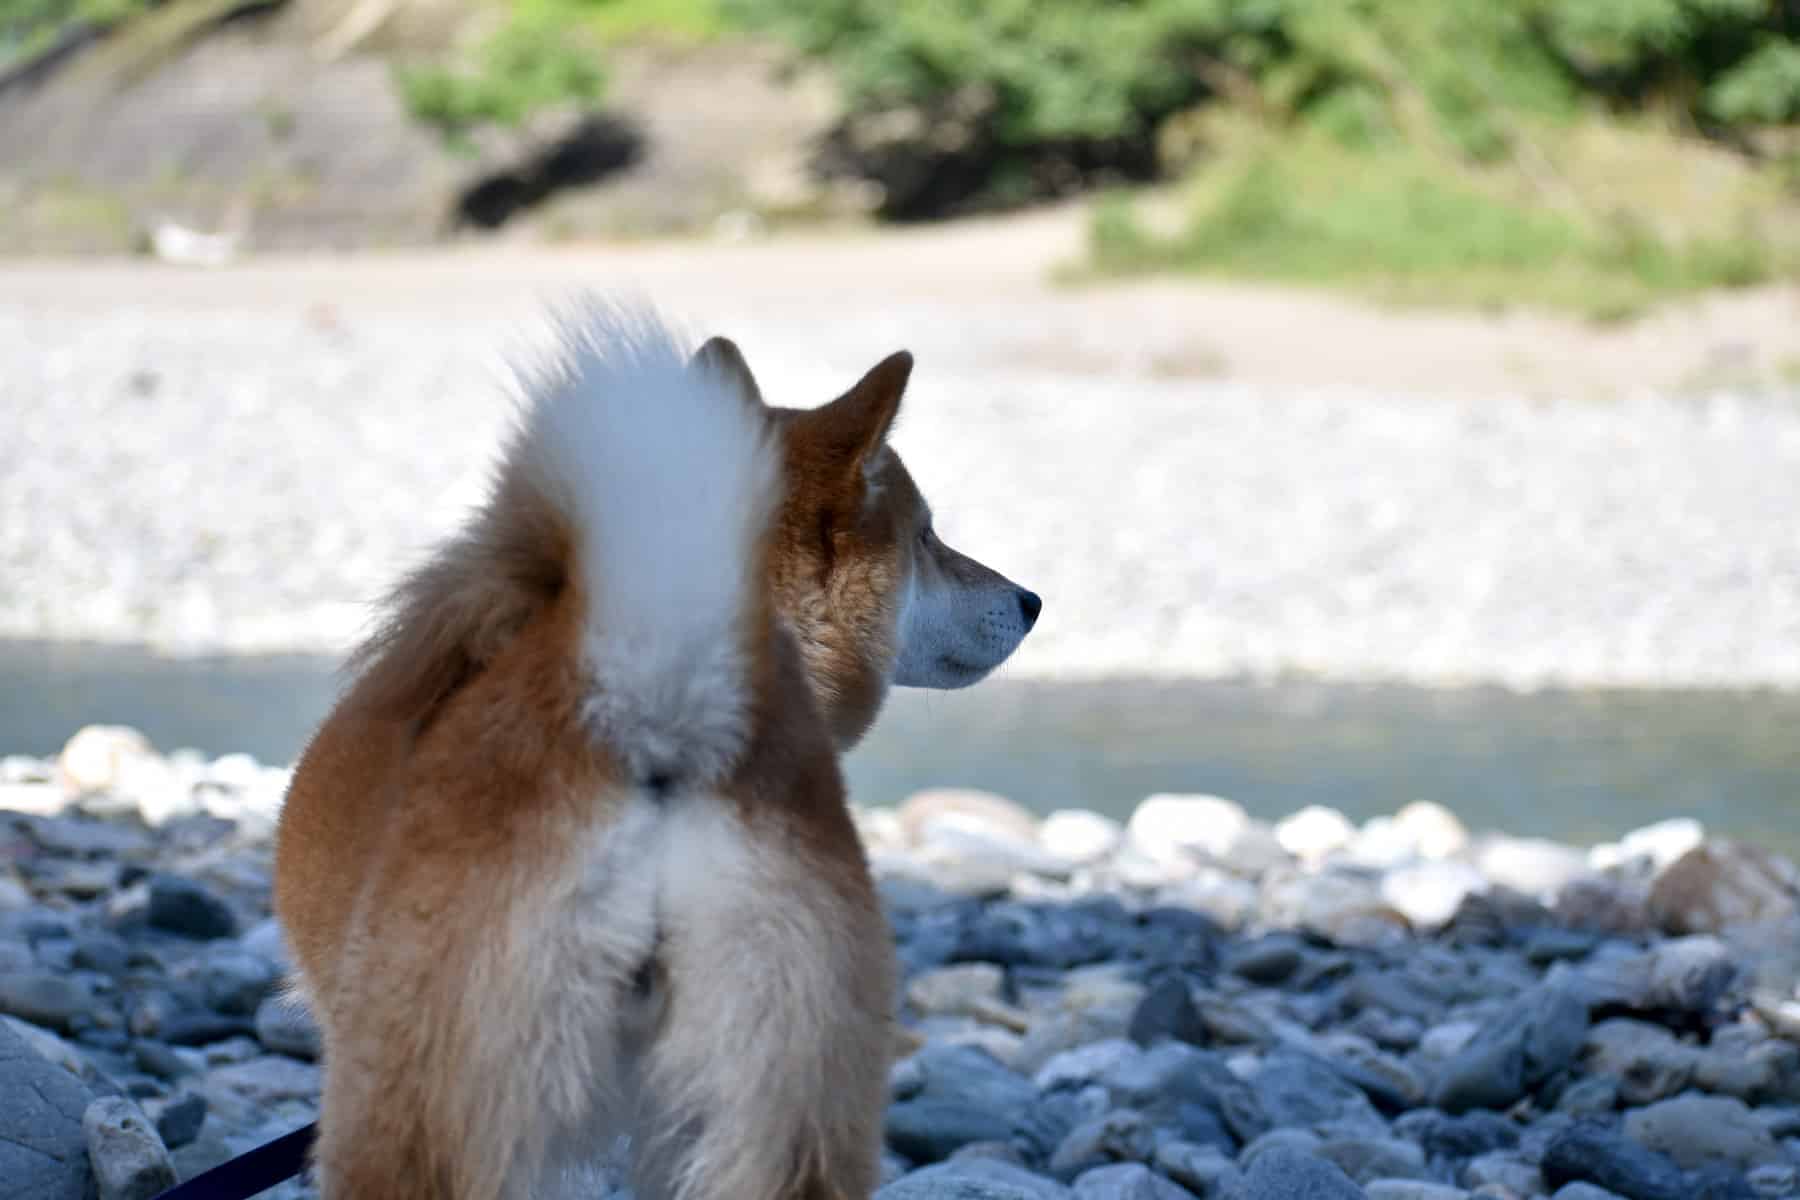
(530, 62)
(1457, 75)
(27, 26)
(1407, 225)
(1763, 89)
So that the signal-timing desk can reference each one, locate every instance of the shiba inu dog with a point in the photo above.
(571, 856)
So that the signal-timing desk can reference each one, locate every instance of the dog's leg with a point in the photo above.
(767, 1075)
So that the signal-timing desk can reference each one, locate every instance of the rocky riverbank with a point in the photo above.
(1192, 1003)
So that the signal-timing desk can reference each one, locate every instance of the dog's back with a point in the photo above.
(571, 856)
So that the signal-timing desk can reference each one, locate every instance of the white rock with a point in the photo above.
(1381, 843)
(1429, 893)
(234, 771)
(38, 799)
(1434, 831)
(130, 1161)
(933, 811)
(1229, 900)
(1441, 1043)
(1314, 832)
(1079, 836)
(1169, 827)
(880, 828)
(1344, 908)
(14, 896)
(98, 756)
(1536, 867)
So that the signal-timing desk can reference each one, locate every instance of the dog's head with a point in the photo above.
(872, 594)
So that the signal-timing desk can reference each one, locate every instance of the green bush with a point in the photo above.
(1450, 74)
(28, 26)
(530, 62)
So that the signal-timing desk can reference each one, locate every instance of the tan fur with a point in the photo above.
(460, 869)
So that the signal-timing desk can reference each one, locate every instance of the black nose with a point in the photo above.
(1031, 604)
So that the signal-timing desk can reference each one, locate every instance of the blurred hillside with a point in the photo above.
(1595, 154)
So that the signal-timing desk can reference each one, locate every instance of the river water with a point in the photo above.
(1580, 766)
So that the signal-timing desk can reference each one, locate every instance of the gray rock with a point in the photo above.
(74, 837)
(1004, 1152)
(1535, 1038)
(1593, 1096)
(163, 1061)
(1458, 1137)
(1775, 1180)
(263, 1081)
(1411, 1189)
(102, 952)
(1364, 1159)
(962, 1096)
(284, 1026)
(1693, 1129)
(76, 1060)
(129, 1159)
(1167, 1076)
(1690, 974)
(1645, 1059)
(1300, 1141)
(1268, 960)
(1756, 1072)
(265, 940)
(188, 907)
(1584, 1191)
(234, 981)
(1085, 1064)
(1202, 1170)
(1061, 1031)
(973, 1179)
(1588, 1152)
(1167, 1011)
(1118, 1137)
(180, 1118)
(1299, 1090)
(1126, 1181)
(966, 989)
(43, 1152)
(46, 999)
(1505, 1169)
(1284, 1174)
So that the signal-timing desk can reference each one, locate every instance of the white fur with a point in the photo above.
(734, 1093)
(954, 631)
(671, 479)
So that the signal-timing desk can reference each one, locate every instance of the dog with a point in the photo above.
(571, 856)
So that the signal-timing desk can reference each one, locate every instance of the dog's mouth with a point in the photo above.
(961, 672)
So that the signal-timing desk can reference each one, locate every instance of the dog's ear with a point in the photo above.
(850, 429)
(722, 357)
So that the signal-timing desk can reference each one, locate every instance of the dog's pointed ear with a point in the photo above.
(853, 427)
(722, 357)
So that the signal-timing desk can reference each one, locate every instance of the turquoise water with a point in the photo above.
(1578, 766)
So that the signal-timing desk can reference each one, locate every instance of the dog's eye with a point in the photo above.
(925, 533)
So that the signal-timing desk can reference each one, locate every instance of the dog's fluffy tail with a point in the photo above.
(648, 483)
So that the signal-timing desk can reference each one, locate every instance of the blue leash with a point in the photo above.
(248, 1174)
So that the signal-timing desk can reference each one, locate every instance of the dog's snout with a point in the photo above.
(1031, 604)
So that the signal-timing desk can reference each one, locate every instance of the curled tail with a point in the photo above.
(646, 479)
